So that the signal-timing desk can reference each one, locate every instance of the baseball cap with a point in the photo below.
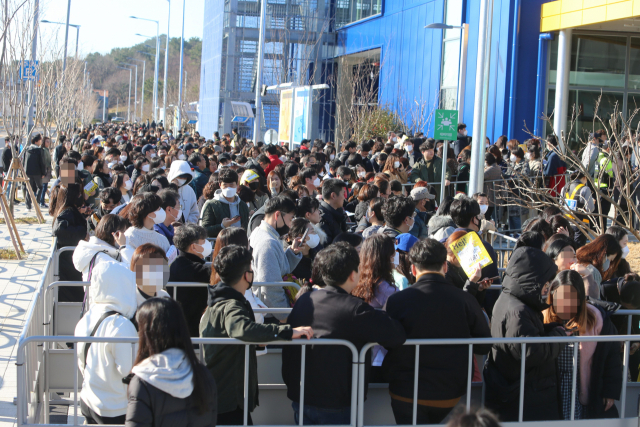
(147, 148)
(421, 193)
(224, 156)
(405, 242)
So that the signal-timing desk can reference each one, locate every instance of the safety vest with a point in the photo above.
(577, 203)
(603, 163)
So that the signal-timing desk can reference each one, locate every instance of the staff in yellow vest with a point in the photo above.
(577, 197)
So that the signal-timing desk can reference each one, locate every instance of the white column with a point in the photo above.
(257, 121)
(562, 85)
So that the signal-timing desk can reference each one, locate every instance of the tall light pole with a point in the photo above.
(179, 115)
(135, 90)
(66, 37)
(144, 66)
(166, 68)
(155, 88)
(32, 82)
(129, 100)
(256, 120)
(77, 27)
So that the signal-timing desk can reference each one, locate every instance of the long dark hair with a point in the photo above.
(161, 326)
(584, 319)
(69, 197)
(375, 265)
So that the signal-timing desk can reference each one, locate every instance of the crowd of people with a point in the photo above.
(364, 233)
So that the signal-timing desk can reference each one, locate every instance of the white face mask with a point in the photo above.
(396, 258)
(228, 192)
(316, 182)
(181, 157)
(160, 216)
(123, 158)
(111, 165)
(178, 215)
(153, 155)
(145, 168)
(206, 248)
(394, 139)
(513, 158)
(625, 251)
(313, 240)
(163, 167)
(80, 166)
(409, 148)
(527, 156)
(333, 156)
(483, 209)
(464, 132)
(181, 181)
(128, 184)
(362, 174)
(396, 165)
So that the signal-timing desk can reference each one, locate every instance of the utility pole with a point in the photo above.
(257, 119)
(179, 115)
(166, 68)
(33, 80)
(66, 37)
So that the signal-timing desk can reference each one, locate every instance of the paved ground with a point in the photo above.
(17, 283)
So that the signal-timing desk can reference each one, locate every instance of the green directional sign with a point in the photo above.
(446, 125)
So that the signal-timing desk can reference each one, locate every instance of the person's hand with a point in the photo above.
(447, 182)
(477, 273)
(86, 238)
(562, 230)
(484, 285)
(302, 332)
(581, 269)
(296, 246)
(43, 176)
(608, 403)
(120, 238)
(634, 347)
(226, 222)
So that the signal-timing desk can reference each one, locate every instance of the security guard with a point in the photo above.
(604, 180)
(578, 198)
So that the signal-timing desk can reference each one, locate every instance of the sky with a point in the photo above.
(105, 24)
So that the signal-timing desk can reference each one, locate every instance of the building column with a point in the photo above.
(562, 85)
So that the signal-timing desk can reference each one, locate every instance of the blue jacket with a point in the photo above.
(167, 232)
(200, 179)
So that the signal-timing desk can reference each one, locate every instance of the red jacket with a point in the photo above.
(275, 161)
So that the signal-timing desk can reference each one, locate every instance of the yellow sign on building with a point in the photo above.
(561, 14)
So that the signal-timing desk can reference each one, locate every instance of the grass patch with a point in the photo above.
(10, 254)
(23, 220)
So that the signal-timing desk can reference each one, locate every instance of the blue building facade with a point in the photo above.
(416, 65)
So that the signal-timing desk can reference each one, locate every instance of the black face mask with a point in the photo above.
(282, 230)
(251, 282)
(254, 185)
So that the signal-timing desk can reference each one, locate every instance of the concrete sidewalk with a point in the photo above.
(18, 280)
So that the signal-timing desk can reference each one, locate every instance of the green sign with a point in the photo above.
(446, 125)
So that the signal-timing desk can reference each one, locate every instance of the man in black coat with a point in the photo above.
(432, 308)
(518, 313)
(35, 168)
(7, 156)
(333, 220)
(333, 313)
(463, 140)
(189, 266)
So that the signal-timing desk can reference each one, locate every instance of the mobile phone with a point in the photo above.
(490, 278)
(304, 237)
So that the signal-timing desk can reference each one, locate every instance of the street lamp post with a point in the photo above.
(66, 37)
(166, 68)
(256, 121)
(32, 82)
(155, 87)
(179, 115)
(77, 27)
(129, 100)
(135, 90)
(144, 66)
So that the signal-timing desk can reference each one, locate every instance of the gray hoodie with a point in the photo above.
(169, 371)
(234, 210)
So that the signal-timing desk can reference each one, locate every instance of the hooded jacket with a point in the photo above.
(160, 389)
(113, 288)
(34, 164)
(85, 251)
(219, 208)
(518, 313)
(229, 315)
(188, 199)
(441, 227)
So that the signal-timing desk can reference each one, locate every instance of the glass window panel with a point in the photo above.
(450, 63)
(633, 110)
(634, 71)
(596, 60)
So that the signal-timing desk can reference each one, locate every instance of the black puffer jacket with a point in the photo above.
(518, 313)
(149, 406)
(332, 222)
(34, 164)
(69, 227)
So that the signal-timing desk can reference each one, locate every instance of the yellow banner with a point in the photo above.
(286, 101)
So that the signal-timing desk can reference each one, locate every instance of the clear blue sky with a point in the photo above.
(105, 24)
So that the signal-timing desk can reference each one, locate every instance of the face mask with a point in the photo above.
(160, 216)
(464, 132)
(513, 158)
(145, 168)
(111, 165)
(527, 156)
(396, 165)
(362, 174)
(409, 148)
(229, 192)
(181, 157)
(606, 264)
(80, 166)
(123, 158)
(333, 156)
(153, 155)
(179, 215)
(314, 240)
(316, 182)
(128, 184)
(625, 251)
(206, 249)
(483, 209)
(394, 139)
(181, 181)
(284, 229)
(396, 258)
(163, 167)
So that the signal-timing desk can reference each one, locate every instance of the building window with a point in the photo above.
(450, 56)
(348, 11)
